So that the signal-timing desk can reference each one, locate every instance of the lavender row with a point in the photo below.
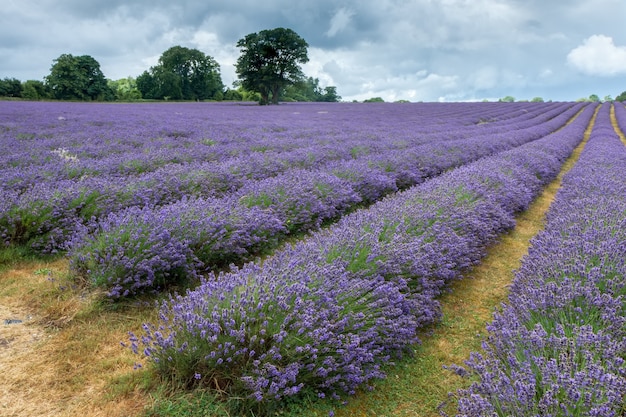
(559, 346)
(48, 214)
(295, 202)
(123, 146)
(68, 157)
(324, 315)
(108, 137)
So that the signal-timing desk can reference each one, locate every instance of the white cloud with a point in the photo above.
(485, 78)
(340, 20)
(598, 55)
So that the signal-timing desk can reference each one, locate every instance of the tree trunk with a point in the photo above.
(275, 94)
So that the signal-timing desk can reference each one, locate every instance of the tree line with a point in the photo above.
(268, 69)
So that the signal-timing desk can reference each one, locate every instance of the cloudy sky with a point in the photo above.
(417, 50)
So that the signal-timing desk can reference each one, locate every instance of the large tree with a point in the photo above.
(182, 74)
(270, 61)
(78, 78)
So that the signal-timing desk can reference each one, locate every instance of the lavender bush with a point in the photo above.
(324, 315)
(143, 249)
(301, 199)
(274, 333)
(559, 346)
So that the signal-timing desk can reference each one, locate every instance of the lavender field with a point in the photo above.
(315, 239)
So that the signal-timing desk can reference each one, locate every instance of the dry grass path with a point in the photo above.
(64, 357)
(622, 135)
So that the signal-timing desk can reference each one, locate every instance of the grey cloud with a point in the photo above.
(424, 49)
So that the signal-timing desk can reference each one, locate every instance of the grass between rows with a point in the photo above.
(67, 360)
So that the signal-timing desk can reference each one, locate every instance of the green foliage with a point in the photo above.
(13, 254)
(374, 100)
(621, 97)
(27, 222)
(182, 74)
(357, 257)
(308, 89)
(125, 89)
(594, 98)
(197, 404)
(29, 92)
(250, 95)
(10, 87)
(232, 95)
(262, 200)
(507, 99)
(537, 100)
(35, 90)
(270, 61)
(78, 78)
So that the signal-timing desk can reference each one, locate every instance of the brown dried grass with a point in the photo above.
(65, 358)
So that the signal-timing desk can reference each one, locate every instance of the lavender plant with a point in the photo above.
(301, 199)
(559, 346)
(275, 333)
(144, 249)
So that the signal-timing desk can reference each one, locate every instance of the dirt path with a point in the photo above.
(58, 353)
(619, 132)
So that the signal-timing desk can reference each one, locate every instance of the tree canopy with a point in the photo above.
(182, 74)
(270, 61)
(10, 87)
(125, 89)
(78, 78)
